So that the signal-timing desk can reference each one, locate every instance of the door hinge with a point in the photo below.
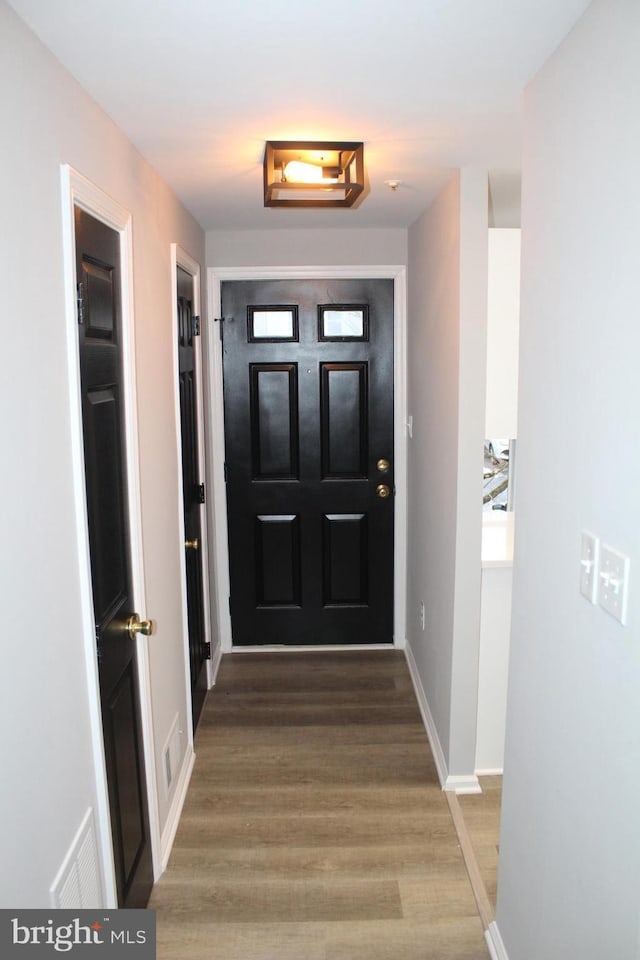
(200, 493)
(99, 646)
(80, 303)
(195, 325)
(229, 605)
(206, 649)
(225, 472)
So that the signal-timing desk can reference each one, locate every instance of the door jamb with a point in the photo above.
(79, 191)
(180, 258)
(215, 432)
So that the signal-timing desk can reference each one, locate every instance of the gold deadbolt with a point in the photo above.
(192, 544)
(383, 465)
(136, 625)
(383, 491)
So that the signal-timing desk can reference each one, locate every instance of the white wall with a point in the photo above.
(48, 776)
(468, 530)
(569, 876)
(446, 378)
(289, 248)
(495, 629)
(503, 324)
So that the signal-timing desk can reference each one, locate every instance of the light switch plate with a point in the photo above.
(589, 566)
(613, 582)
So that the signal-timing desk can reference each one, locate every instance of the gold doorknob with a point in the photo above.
(383, 491)
(136, 625)
(192, 544)
(383, 465)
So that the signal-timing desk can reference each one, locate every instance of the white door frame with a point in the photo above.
(78, 191)
(180, 258)
(216, 449)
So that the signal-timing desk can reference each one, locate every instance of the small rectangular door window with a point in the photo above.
(342, 322)
(273, 323)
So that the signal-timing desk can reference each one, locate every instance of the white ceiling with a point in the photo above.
(199, 85)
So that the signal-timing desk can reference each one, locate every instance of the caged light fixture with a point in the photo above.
(312, 174)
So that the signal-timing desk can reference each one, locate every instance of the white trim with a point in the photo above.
(199, 362)
(175, 810)
(427, 718)
(400, 455)
(489, 772)
(180, 258)
(216, 275)
(176, 253)
(463, 784)
(216, 660)
(78, 191)
(495, 943)
(217, 516)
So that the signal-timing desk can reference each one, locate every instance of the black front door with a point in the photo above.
(308, 406)
(193, 491)
(100, 339)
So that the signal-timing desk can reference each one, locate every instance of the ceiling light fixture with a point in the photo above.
(312, 174)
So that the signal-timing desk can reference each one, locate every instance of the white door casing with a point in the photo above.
(180, 258)
(78, 191)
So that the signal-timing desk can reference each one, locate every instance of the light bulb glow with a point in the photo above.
(298, 172)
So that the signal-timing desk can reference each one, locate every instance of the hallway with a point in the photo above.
(315, 827)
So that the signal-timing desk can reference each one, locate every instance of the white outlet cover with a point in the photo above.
(589, 550)
(613, 582)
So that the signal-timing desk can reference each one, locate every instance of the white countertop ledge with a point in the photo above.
(497, 539)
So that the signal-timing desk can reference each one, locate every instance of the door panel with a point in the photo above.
(278, 561)
(126, 764)
(345, 433)
(100, 346)
(191, 486)
(104, 469)
(345, 549)
(308, 402)
(274, 421)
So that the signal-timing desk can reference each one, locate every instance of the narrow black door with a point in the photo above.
(100, 329)
(193, 492)
(308, 405)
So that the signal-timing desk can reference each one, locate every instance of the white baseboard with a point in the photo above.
(489, 772)
(463, 784)
(427, 718)
(214, 665)
(460, 784)
(495, 943)
(173, 819)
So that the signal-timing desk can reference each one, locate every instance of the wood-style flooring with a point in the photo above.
(315, 827)
(481, 812)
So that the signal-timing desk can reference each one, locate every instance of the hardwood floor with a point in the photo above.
(481, 814)
(315, 827)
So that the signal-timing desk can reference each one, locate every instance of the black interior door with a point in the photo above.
(193, 492)
(308, 406)
(100, 339)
